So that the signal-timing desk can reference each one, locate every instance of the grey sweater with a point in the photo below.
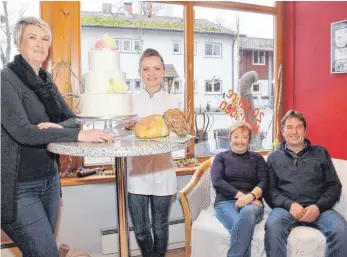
(23, 145)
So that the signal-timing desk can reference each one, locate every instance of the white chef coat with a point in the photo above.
(152, 174)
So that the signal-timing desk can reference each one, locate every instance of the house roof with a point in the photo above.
(161, 23)
(253, 43)
(170, 71)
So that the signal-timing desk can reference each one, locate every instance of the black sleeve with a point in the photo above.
(217, 177)
(333, 185)
(15, 121)
(263, 176)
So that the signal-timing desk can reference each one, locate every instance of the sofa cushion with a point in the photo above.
(210, 238)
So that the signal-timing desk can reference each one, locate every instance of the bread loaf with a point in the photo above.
(176, 121)
(152, 126)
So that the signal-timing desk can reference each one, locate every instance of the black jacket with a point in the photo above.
(18, 105)
(311, 179)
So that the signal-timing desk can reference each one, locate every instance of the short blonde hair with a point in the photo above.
(25, 21)
(240, 125)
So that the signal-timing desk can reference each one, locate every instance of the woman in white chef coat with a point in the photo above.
(152, 179)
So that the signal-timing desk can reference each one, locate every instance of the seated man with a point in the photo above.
(304, 187)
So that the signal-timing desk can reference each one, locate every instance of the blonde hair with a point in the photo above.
(239, 125)
(25, 21)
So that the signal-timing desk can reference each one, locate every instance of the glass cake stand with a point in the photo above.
(113, 125)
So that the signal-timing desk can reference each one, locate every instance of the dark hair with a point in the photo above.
(293, 114)
(149, 52)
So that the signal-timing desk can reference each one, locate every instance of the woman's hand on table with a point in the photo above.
(94, 136)
(47, 125)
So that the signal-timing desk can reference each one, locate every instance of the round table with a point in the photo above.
(120, 149)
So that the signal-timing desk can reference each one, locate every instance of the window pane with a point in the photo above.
(208, 87)
(208, 49)
(176, 47)
(255, 57)
(156, 28)
(216, 50)
(15, 10)
(220, 30)
(217, 86)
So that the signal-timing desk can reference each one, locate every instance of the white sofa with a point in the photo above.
(207, 237)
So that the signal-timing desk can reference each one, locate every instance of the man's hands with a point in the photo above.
(297, 211)
(312, 213)
(47, 125)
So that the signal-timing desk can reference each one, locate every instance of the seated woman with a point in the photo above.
(239, 177)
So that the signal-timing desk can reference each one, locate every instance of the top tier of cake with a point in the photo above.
(104, 60)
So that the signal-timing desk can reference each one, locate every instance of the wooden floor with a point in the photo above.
(174, 253)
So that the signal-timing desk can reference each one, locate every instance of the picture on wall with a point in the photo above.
(339, 47)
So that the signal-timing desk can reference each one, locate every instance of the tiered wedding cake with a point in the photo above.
(105, 89)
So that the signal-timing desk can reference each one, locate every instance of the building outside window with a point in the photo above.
(177, 87)
(258, 58)
(126, 45)
(213, 86)
(213, 50)
(136, 46)
(176, 47)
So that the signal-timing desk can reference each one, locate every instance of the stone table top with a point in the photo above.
(119, 148)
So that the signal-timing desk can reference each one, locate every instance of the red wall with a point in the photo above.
(308, 85)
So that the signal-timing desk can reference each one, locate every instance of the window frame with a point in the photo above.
(213, 45)
(119, 43)
(258, 54)
(122, 49)
(139, 81)
(133, 49)
(75, 43)
(180, 91)
(130, 85)
(213, 92)
(179, 47)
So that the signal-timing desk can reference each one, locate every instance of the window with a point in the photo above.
(195, 48)
(128, 84)
(126, 45)
(256, 88)
(177, 87)
(137, 46)
(213, 86)
(137, 85)
(117, 40)
(195, 86)
(258, 58)
(213, 50)
(176, 47)
(15, 9)
(218, 61)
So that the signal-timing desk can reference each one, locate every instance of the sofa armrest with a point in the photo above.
(195, 197)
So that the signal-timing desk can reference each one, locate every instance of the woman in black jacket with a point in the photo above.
(33, 114)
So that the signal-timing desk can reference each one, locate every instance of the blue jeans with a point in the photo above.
(37, 214)
(280, 223)
(240, 224)
(139, 212)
